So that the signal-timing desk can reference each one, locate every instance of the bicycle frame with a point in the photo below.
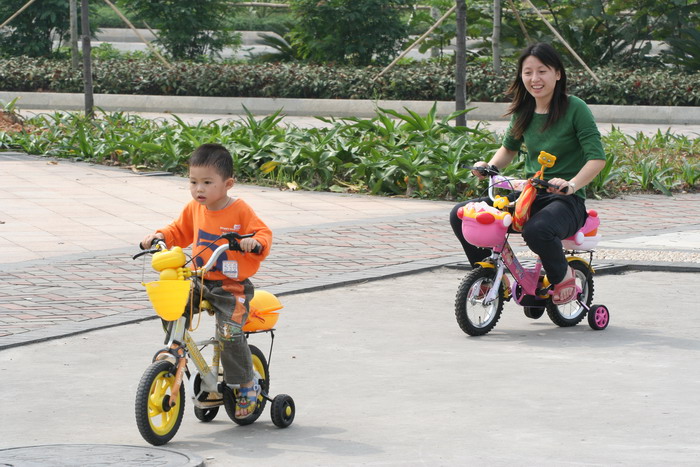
(502, 258)
(179, 346)
(502, 255)
(160, 395)
(179, 336)
(483, 291)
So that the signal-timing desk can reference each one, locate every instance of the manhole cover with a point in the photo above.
(74, 455)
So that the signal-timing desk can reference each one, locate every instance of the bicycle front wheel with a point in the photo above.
(156, 418)
(474, 316)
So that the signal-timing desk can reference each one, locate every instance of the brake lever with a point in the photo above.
(144, 252)
(485, 171)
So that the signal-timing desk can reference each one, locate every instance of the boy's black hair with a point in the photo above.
(213, 155)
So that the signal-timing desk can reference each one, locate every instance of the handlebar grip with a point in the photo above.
(543, 183)
(233, 245)
(153, 243)
(145, 251)
(233, 239)
(485, 171)
(546, 184)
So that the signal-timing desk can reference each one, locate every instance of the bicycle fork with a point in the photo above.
(500, 271)
(176, 353)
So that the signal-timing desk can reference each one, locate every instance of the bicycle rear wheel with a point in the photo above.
(572, 313)
(262, 377)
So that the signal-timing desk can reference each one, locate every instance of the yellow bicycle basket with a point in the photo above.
(168, 297)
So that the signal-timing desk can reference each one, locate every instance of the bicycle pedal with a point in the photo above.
(209, 403)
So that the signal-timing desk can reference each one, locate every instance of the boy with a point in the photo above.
(213, 212)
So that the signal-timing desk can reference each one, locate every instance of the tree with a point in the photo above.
(460, 62)
(30, 33)
(353, 32)
(187, 30)
(610, 31)
(496, 37)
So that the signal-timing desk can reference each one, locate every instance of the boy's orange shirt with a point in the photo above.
(198, 226)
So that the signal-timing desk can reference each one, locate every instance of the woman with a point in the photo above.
(545, 118)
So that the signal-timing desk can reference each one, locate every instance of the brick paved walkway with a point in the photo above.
(65, 295)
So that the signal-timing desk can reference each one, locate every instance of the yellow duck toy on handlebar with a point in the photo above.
(169, 294)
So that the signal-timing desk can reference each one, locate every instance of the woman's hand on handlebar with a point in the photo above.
(560, 186)
(480, 174)
(148, 240)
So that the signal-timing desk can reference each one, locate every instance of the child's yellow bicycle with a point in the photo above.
(160, 396)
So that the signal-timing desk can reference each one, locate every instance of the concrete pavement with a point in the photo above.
(382, 375)
(380, 372)
(69, 230)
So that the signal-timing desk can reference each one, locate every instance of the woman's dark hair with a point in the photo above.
(213, 155)
(523, 105)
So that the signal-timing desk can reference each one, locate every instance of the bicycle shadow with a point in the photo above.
(546, 334)
(261, 441)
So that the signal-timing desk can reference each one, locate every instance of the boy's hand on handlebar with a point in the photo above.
(249, 244)
(560, 187)
(148, 240)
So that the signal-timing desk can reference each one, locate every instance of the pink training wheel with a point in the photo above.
(598, 317)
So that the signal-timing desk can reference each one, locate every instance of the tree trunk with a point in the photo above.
(461, 62)
(496, 38)
(74, 53)
(87, 59)
(435, 14)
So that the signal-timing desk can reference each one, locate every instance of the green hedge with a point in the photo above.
(406, 82)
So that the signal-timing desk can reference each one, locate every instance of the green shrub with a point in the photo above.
(187, 30)
(30, 33)
(353, 32)
(423, 81)
(685, 49)
(105, 17)
(393, 153)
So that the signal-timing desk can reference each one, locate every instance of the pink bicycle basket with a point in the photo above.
(484, 225)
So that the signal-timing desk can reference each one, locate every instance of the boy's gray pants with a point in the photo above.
(232, 305)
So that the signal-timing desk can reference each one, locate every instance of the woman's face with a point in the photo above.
(539, 79)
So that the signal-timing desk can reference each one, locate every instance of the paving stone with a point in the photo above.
(98, 288)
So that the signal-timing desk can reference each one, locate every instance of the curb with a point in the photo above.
(484, 111)
(312, 285)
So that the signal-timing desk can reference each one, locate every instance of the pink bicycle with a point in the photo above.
(482, 292)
